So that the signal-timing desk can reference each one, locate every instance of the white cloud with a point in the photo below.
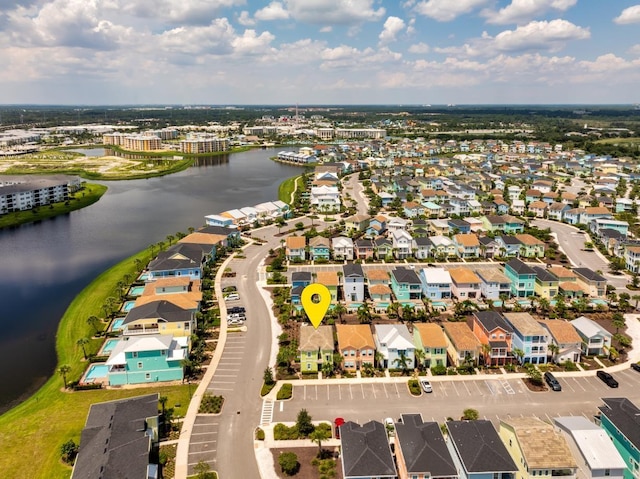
(326, 29)
(245, 19)
(252, 43)
(521, 11)
(629, 15)
(419, 48)
(392, 26)
(273, 11)
(539, 35)
(635, 50)
(342, 12)
(197, 12)
(609, 63)
(214, 39)
(447, 10)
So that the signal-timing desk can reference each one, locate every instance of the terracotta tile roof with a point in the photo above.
(431, 335)
(524, 324)
(377, 275)
(468, 239)
(463, 275)
(570, 286)
(296, 242)
(356, 336)
(597, 210)
(203, 238)
(182, 300)
(527, 239)
(537, 205)
(312, 339)
(379, 289)
(461, 336)
(149, 288)
(541, 445)
(328, 278)
(562, 273)
(562, 331)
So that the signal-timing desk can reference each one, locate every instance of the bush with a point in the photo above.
(414, 387)
(289, 463)
(284, 433)
(304, 424)
(69, 451)
(570, 366)
(266, 389)
(211, 404)
(439, 370)
(285, 392)
(470, 414)
(259, 434)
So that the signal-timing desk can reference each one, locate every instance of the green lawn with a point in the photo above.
(31, 434)
(619, 141)
(83, 198)
(287, 187)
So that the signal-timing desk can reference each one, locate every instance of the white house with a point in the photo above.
(342, 247)
(353, 282)
(402, 243)
(595, 339)
(436, 283)
(217, 220)
(394, 341)
(325, 198)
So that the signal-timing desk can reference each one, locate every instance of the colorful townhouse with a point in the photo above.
(353, 282)
(366, 452)
(319, 248)
(159, 316)
(531, 247)
(462, 345)
(594, 284)
(296, 248)
(331, 280)
(596, 340)
(537, 449)
(620, 419)
(493, 283)
(465, 284)
(436, 283)
(356, 346)
(405, 284)
(430, 338)
(546, 283)
(528, 337)
(316, 347)
(494, 334)
(522, 278)
(565, 338)
(467, 245)
(179, 260)
(342, 247)
(395, 344)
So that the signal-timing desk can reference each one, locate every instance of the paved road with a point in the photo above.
(356, 190)
(493, 398)
(572, 240)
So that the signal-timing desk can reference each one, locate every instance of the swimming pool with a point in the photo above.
(143, 277)
(136, 291)
(96, 371)
(117, 324)
(128, 306)
(109, 345)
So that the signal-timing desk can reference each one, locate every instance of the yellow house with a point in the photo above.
(538, 450)
(330, 280)
(161, 317)
(546, 284)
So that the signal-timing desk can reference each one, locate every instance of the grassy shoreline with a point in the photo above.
(287, 187)
(90, 194)
(32, 432)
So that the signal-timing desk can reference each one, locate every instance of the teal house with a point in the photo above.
(405, 284)
(620, 419)
(522, 277)
(147, 359)
(319, 248)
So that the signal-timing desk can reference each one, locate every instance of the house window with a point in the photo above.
(308, 366)
(607, 472)
(140, 365)
(147, 376)
(134, 354)
(308, 354)
(163, 353)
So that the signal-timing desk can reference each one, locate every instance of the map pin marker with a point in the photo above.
(315, 299)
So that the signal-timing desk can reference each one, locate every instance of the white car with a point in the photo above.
(235, 322)
(426, 386)
(232, 297)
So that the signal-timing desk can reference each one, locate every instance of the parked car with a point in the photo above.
(337, 423)
(552, 381)
(426, 386)
(607, 378)
(390, 426)
(232, 297)
(635, 367)
(236, 309)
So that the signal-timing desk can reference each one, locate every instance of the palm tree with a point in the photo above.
(170, 239)
(93, 321)
(63, 371)
(138, 264)
(318, 435)
(339, 309)
(486, 354)
(503, 297)
(378, 358)
(82, 342)
(518, 353)
(364, 313)
(618, 321)
(636, 298)
(407, 313)
(393, 308)
(402, 361)
(544, 305)
(191, 229)
(553, 349)
(420, 356)
(163, 402)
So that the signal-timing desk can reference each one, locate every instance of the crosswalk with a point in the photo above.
(267, 412)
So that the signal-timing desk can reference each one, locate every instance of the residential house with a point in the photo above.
(465, 284)
(430, 338)
(488, 247)
(438, 227)
(442, 247)
(421, 451)
(356, 345)
(528, 337)
(522, 278)
(504, 223)
(508, 246)
(363, 248)
(459, 226)
(594, 284)
(596, 341)
(159, 316)
(567, 281)
(379, 290)
(377, 226)
(436, 283)
(494, 333)
(395, 344)
(353, 282)
(462, 345)
(299, 281)
(219, 235)
(556, 211)
(598, 225)
(546, 283)
(315, 347)
(319, 248)
(596, 454)
(179, 260)
(478, 451)
(218, 220)
(632, 258)
(146, 359)
(342, 248)
(325, 198)
(405, 284)
(395, 223)
(494, 284)
(537, 448)
(296, 248)
(517, 207)
(356, 223)
(383, 248)
(467, 245)
(331, 280)
(366, 452)
(412, 209)
(620, 419)
(182, 291)
(236, 216)
(422, 247)
(566, 340)
(119, 436)
(402, 244)
(531, 247)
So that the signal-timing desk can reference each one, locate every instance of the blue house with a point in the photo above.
(460, 225)
(436, 283)
(181, 259)
(147, 359)
(620, 419)
(405, 284)
(529, 337)
(217, 220)
(522, 277)
(299, 281)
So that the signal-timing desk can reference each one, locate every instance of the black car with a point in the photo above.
(552, 381)
(608, 379)
(635, 366)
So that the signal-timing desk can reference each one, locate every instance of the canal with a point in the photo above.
(44, 265)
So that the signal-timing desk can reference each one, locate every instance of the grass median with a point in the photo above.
(31, 433)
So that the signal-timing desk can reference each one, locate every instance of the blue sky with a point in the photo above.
(319, 51)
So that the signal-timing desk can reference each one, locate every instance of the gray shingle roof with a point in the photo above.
(625, 416)
(479, 447)
(164, 310)
(366, 451)
(403, 275)
(492, 320)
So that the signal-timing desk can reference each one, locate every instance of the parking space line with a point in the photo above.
(373, 390)
(397, 391)
(305, 391)
(578, 384)
(455, 388)
(339, 392)
(328, 397)
(464, 383)
(203, 433)
(362, 390)
(316, 398)
(384, 388)
(475, 383)
(350, 391)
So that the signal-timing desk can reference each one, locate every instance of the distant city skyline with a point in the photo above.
(245, 52)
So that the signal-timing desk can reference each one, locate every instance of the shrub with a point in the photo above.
(285, 433)
(259, 434)
(304, 424)
(289, 463)
(69, 451)
(285, 392)
(570, 366)
(439, 370)
(414, 387)
(211, 404)
(470, 414)
(266, 389)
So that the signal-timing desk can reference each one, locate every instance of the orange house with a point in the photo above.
(494, 332)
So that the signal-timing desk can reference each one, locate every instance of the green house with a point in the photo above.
(522, 277)
(620, 419)
(316, 348)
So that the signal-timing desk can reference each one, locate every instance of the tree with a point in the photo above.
(268, 376)
(364, 313)
(94, 321)
(419, 355)
(163, 402)
(402, 361)
(470, 414)
(618, 322)
(280, 222)
(534, 374)
(544, 304)
(339, 309)
(69, 451)
(327, 369)
(304, 424)
(289, 463)
(407, 313)
(613, 354)
(503, 297)
(203, 470)
(170, 239)
(82, 342)
(318, 435)
(518, 353)
(553, 349)
(392, 309)
(63, 371)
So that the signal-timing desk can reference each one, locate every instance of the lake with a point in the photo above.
(45, 265)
